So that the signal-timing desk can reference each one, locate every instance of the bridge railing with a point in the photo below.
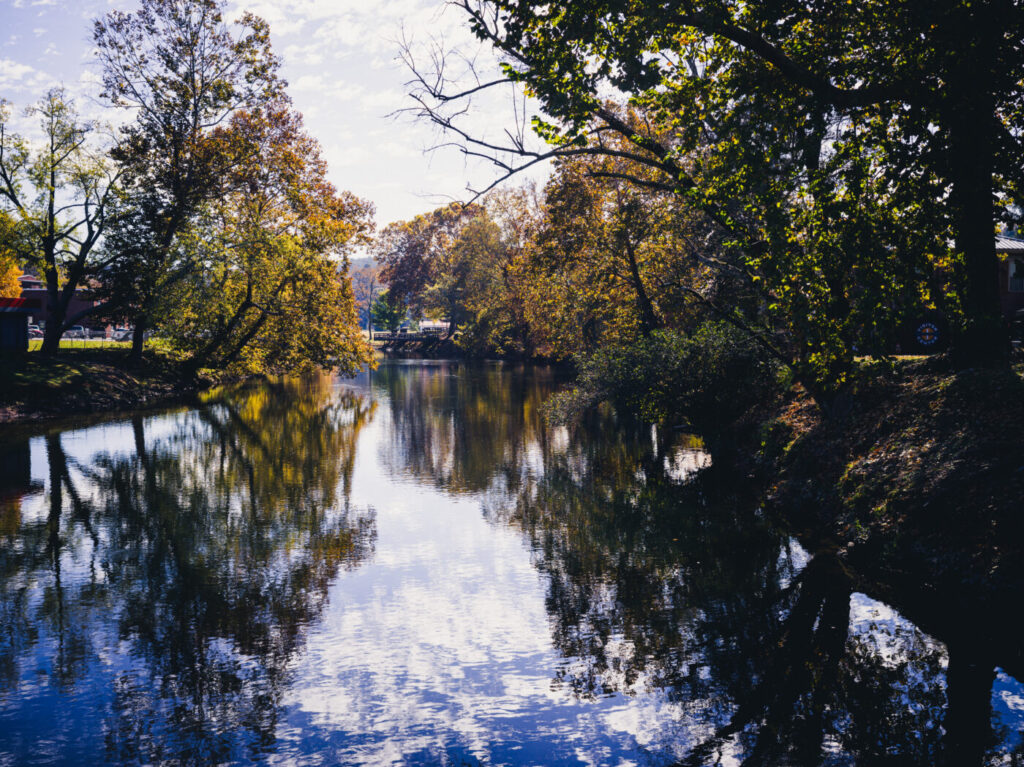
(423, 335)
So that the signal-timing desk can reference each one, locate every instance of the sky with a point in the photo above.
(341, 59)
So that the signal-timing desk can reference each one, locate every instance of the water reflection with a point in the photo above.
(654, 584)
(413, 569)
(157, 597)
(459, 427)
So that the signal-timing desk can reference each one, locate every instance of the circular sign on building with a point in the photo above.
(927, 334)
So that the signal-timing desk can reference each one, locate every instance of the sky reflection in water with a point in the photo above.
(410, 568)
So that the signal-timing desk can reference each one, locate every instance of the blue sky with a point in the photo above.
(340, 58)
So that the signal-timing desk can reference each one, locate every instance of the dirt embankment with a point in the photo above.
(918, 473)
(34, 388)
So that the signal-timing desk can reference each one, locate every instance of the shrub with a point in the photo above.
(709, 380)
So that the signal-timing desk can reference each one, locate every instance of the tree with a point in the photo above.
(388, 312)
(462, 271)
(609, 260)
(10, 269)
(366, 287)
(415, 254)
(929, 97)
(58, 197)
(497, 301)
(273, 293)
(10, 287)
(593, 214)
(184, 73)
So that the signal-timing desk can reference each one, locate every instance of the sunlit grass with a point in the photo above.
(895, 357)
(35, 344)
(81, 365)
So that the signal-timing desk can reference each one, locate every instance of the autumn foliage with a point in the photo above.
(207, 221)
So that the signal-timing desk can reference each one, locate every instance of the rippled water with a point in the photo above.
(410, 568)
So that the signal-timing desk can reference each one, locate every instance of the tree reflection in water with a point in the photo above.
(685, 587)
(461, 427)
(157, 597)
(207, 550)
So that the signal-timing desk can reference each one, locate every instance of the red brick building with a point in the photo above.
(34, 292)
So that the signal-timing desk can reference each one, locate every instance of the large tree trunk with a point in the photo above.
(970, 107)
(51, 337)
(55, 311)
(983, 340)
(55, 316)
(138, 338)
(968, 720)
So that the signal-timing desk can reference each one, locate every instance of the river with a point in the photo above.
(410, 567)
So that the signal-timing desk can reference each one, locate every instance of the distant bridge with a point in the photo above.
(420, 335)
(425, 338)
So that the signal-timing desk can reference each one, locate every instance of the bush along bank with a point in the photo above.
(715, 382)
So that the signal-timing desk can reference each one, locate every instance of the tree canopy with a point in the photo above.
(207, 219)
(273, 291)
(184, 72)
(856, 160)
(57, 196)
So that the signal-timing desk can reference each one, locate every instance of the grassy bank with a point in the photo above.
(88, 380)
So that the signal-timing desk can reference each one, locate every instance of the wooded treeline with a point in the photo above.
(811, 177)
(206, 217)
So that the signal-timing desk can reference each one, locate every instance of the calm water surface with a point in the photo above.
(410, 568)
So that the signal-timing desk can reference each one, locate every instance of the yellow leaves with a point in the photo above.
(9, 274)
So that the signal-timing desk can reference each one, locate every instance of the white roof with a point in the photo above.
(1005, 244)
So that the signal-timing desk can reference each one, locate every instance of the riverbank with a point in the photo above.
(918, 470)
(434, 348)
(36, 388)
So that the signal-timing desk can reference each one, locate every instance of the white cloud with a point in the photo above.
(341, 59)
(12, 72)
(20, 81)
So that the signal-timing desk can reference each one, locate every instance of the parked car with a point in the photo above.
(121, 334)
(76, 331)
(34, 331)
(130, 335)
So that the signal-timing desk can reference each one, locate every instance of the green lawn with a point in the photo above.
(35, 344)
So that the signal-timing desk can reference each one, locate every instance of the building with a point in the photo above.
(14, 316)
(1011, 274)
(34, 291)
(434, 327)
